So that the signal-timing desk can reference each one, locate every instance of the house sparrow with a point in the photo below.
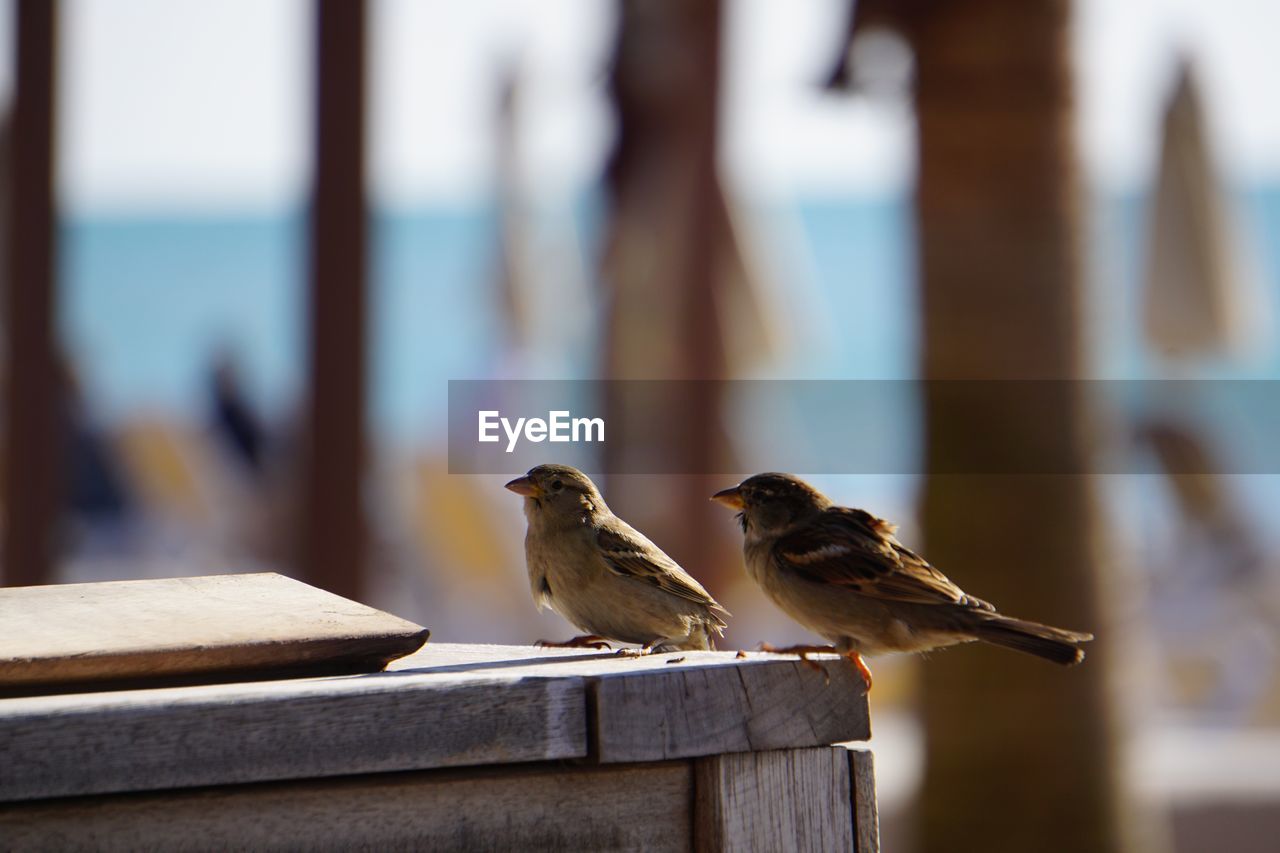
(602, 575)
(841, 573)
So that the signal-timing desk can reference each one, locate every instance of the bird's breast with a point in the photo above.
(755, 556)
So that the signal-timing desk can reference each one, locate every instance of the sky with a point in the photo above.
(190, 105)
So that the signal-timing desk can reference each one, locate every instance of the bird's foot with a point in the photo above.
(631, 653)
(586, 641)
(797, 650)
(803, 652)
(860, 665)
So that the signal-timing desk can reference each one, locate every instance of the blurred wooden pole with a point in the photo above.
(33, 428)
(668, 233)
(332, 524)
(1020, 752)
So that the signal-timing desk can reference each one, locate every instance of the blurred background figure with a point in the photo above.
(249, 244)
(233, 419)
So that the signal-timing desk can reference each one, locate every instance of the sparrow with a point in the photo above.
(603, 575)
(840, 573)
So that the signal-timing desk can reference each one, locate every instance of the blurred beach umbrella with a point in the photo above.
(543, 298)
(1194, 302)
(1197, 303)
(1207, 504)
(514, 257)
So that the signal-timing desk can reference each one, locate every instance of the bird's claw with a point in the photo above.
(803, 652)
(861, 665)
(815, 666)
(587, 641)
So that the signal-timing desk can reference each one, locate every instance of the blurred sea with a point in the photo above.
(148, 302)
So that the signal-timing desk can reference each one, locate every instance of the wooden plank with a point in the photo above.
(686, 704)
(795, 799)
(58, 638)
(866, 814)
(756, 704)
(226, 734)
(445, 706)
(616, 808)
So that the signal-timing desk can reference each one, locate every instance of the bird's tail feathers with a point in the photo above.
(1055, 644)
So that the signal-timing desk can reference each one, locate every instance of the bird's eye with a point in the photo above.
(556, 485)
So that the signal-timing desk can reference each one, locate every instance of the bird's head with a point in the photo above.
(557, 489)
(772, 503)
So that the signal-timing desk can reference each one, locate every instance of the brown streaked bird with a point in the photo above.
(603, 575)
(840, 573)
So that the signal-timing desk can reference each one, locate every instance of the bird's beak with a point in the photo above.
(524, 486)
(732, 498)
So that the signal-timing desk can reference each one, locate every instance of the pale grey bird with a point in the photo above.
(604, 576)
(840, 573)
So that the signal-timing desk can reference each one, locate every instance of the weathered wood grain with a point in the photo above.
(795, 800)
(866, 814)
(445, 706)
(685, 704)
(183, 737)
(695, 709)
(615, 808)
(148, 632)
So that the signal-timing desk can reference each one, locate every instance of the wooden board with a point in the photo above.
(734, 706)
(445, 706)
(780, 800)
(70, 637)
(546, 808)
(685, 704)
(866, 814)
(227, 734)
(783, 800)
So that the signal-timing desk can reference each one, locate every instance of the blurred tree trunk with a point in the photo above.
(668, 235)
(1021, 754)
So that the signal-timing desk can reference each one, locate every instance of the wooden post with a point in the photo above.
(333, 531)
(668, 240)
(33, 426)
(1020, 752)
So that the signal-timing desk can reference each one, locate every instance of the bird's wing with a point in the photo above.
(854, 549)
(628, 553)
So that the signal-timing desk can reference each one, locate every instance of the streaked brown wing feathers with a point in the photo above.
(852, 548)
(629, 554)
